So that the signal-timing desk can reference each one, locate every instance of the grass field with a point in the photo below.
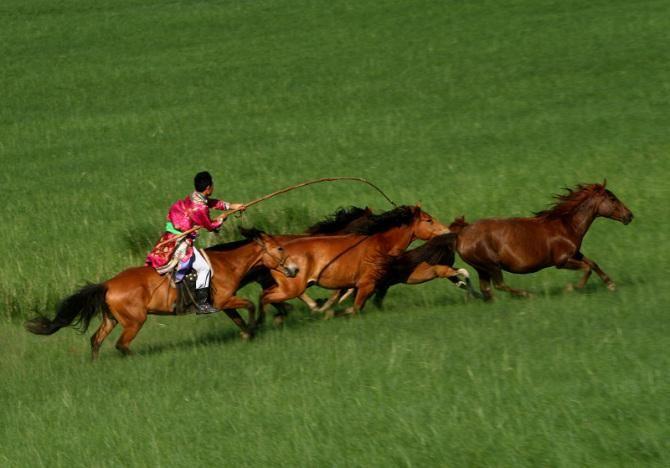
(479, 108)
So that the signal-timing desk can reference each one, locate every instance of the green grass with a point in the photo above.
(478, 108)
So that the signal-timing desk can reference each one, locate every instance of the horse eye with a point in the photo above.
(430, 221)
(280, 249)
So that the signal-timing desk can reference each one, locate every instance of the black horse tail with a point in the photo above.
(76, 310)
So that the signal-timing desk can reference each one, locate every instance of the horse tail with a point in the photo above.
(76, 310)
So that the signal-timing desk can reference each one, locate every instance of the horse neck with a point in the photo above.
(243, 259)
(582, 217)
(397, 239)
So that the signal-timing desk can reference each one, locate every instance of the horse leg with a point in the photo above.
(131, 317)
(587, 265)
(261, 311)
(230, 306)
(576, 264)
(499, 284)
(107, 325)
(603, 276)
(337, 297)
(460, 277)
(311, 303)
(364, 291)
(127, 335)
(279, 294)
(485, 284)
(344, 296)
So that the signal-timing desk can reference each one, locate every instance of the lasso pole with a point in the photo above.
(278, 192)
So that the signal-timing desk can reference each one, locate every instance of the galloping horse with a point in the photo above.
(128, 297)
(552, 237)
(340, 222)
(352, 260)
(434, 259)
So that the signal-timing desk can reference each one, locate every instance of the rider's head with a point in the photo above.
(203, 183)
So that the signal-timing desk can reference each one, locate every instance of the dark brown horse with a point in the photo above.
(352, 260)
(550, 238)
(128, 297)
(434, 259)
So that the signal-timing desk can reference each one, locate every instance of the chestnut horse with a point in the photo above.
(341, 221)
(434, 259)
(352, 260)
(551, 238)
(128, 297)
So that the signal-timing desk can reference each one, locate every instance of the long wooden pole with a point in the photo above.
(278, 192)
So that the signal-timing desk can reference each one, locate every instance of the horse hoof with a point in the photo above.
(569, 287)
(611, 287)
(246, 336)
(278, 321)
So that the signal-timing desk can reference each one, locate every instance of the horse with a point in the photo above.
(552, 237)
(341, 221)
(351, 260)
(434, 259)
(131, 295)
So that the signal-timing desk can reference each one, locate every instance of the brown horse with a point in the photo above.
(341, 221)
(128, 297)
(434, 259)
(551, 238)
(352, 260)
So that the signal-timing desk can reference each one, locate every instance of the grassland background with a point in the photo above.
(480, 108)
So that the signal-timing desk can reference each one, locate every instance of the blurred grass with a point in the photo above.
(479, 108)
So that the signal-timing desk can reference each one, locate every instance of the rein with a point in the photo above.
(279, 192)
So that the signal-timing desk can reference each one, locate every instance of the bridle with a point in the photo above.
(281, 262)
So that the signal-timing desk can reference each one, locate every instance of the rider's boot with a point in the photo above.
(202, 302)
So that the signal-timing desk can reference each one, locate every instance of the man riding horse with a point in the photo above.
(180, 253)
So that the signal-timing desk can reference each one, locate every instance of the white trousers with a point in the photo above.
(202, 269)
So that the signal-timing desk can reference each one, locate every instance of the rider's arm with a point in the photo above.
(201, 218)
(223, 205)
(218, 204)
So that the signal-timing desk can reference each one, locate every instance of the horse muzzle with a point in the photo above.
(628, 218)
(290, 271)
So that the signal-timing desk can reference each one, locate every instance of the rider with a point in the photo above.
(184, 215)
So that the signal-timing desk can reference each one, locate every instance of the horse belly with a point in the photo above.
(336, 278)
(528, 259)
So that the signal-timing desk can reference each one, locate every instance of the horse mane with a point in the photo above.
(458, 224)
(567, 203)
(249, 234)
(383, 222)
(338, 220)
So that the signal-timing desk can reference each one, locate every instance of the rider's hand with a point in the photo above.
(238, 206)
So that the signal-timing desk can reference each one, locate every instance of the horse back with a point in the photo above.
(140, 287)
(519, 245)
(334, 260)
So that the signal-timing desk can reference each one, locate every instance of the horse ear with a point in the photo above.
(604, 183)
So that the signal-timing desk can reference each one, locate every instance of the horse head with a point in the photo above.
(273, 255)
(425, 226)
(609, 206)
